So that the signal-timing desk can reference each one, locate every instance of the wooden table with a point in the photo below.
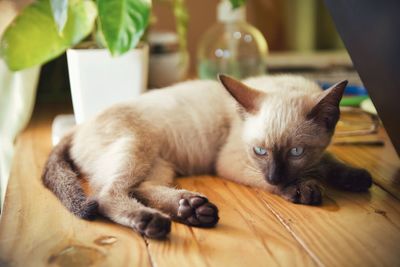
(255, 229)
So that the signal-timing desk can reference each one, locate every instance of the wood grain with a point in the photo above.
(248, 234)
(255, 229)
(348, 230)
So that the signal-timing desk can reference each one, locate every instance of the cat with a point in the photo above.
(268, 132)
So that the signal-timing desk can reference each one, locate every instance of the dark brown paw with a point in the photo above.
(356, 180)
(305, 192)
(197, 211)
(153, 225)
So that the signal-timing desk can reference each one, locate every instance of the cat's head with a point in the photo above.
(286, 134)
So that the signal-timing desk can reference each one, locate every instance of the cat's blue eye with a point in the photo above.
(260, 151)
(296, 151)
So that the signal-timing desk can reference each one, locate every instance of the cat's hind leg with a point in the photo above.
(122, 167)
(117, 205)
(184, 206)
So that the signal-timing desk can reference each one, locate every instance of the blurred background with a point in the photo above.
(287, 25)
(300, 36)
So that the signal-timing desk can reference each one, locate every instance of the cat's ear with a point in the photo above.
(247, 97)
(326, 112)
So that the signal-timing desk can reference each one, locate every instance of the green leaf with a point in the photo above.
(237, 3)
(32, 38)
(181, 21)
(123, 22)
(60, 13)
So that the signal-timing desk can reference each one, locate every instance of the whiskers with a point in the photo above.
(251, 170)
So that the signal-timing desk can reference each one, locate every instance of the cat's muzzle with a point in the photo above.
(274, 178)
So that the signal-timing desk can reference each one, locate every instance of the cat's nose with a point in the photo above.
(276, 171)
(274, 178)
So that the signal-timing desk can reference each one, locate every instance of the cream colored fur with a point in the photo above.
(131, 152)
(188, 124)
(187, 129)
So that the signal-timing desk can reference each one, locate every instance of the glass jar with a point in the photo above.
(232, 46)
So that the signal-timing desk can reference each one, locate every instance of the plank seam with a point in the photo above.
(313, 256)
(250, 225)
(152, 263)
(384, 189)
(198, 245)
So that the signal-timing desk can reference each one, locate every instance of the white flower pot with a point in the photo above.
(99, 80)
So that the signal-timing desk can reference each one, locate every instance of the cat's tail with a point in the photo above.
(62, 179)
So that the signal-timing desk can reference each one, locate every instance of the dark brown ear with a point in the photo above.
(247, 97)
(326, 112)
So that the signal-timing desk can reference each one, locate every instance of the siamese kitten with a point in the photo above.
(267, 132)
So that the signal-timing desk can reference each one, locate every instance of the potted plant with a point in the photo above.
(47, 28)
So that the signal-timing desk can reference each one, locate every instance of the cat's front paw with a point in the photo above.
(152, 224)
(355, 180)
(197, 211)
(307, 192)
